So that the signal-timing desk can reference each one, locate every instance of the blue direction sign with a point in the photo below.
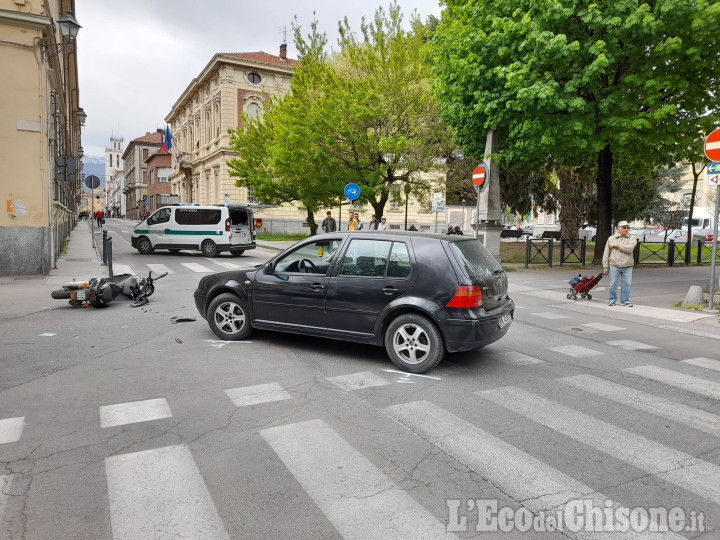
(713, 168)
(352, 191)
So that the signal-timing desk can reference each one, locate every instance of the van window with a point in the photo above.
(197, 216)
(161, 216)
(239, 217)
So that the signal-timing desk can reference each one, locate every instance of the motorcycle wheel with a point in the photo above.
(61, 294)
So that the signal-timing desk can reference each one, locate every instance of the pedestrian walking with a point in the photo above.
(99, 217)
(329, 224)
(384, 225)
(618, 261)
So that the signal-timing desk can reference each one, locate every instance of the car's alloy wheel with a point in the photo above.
(414, 343)
(209, 248)
(228, 317)
(144, 246)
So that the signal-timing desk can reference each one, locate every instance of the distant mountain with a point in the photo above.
(94, 165)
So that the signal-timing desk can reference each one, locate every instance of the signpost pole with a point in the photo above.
(711, 289)
(92, 216)
(712, 151)
(477, 212)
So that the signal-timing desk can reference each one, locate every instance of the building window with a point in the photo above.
(254, 112)
(145, 153)
(254, 78)
(394, 201)
(250, 196)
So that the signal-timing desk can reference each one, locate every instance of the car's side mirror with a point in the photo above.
(269, 267)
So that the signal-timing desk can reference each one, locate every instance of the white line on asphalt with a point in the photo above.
(674, 466)
(224, 264)
(412, 374)
(358, 381)
(515, 358)
(260, 393)
(359, 500)
(678, 380)
(122, 269)
(703, 362)
(549, 315)
(576, 351)
(136, 411)
(195, 267)
(160, 268)
(603, 327)
(160, 493)
(630, 345)
(643, 401)
(11, 429)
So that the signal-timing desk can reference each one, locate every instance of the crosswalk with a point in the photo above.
(162, 492)
(208, 266)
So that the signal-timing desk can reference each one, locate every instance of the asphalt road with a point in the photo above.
(116, 423)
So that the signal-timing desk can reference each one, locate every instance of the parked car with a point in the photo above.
(588, 233)
(417, 294)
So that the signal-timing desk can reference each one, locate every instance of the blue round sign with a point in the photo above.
(352, 191)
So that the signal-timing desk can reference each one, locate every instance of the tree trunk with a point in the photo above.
(567, 196)
(604, 202)
(696, 176)
(311, 222)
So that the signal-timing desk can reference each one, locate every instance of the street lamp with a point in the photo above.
(69, 28)
(82, 116)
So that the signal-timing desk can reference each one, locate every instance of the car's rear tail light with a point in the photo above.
(467, 297)
(227, 224)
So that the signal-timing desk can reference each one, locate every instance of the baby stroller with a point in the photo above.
(582, 285)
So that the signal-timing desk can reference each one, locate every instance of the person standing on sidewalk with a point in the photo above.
(618, 261)
(329, 224)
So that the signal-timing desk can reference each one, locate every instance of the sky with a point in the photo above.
(136, 57)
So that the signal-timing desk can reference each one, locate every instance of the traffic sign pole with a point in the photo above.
(711, 289)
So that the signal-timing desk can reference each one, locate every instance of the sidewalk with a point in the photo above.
(81, 261)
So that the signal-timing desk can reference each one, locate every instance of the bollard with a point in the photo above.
(109, 256)
(104, 241)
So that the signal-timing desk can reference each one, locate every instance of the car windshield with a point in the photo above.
(317, 256)
(476, 259)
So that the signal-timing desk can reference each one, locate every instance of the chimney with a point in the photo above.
(283, 51)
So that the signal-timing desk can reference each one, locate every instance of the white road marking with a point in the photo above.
(549, 315)
(643, 401)
(358, 381)
(603, 327)
(359, 500)
(630, 345)
(412, 374)
(195, 267)
(708, 363)
(674, 466)
(696, 385)
(160, 268)
(576, 351)
(122, 269)
(516, 358)
(11, 429)
(225, 264)
(160, 493)
(689, 331)
(136, 411)
(532, 483)
(219, 344)
(260, 393)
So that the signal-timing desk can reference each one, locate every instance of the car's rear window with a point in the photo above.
(475, 258)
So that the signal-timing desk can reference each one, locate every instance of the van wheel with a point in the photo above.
(414, 343)
(228, 317)
(209, 249)
(236, 252)
(144, 246)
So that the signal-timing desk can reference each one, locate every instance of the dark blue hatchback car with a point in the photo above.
(418, 294)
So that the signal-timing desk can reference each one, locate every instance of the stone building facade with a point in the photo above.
(158, 177)
(136, 183)
(40, 134)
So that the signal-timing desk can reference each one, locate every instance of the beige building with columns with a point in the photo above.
(40, 147)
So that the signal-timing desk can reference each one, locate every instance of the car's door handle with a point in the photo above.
(317, 286)
(389, 290)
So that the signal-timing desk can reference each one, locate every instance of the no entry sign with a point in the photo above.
(712, 146)
(479, 175)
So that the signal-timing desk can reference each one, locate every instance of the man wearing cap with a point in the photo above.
(384, 225)
(618, 260)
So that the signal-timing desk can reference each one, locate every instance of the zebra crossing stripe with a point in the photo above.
(357, 381)
(708, 363)
(122, 269)
(160, 268)
(696, 385)
(260, 393)
(136, 411)
(195, 267)
(643, 401)
(11, 429)
(674, 466)
(228, 265)
(359, 500)
(160, 493)
(516, 358)
(534, 484)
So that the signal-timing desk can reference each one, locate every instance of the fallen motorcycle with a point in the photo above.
(99, 292)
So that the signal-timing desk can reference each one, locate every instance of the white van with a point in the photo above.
(210, 229)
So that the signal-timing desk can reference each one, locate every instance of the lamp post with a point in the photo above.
(69, 28)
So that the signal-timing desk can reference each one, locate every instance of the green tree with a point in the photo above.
(578, 78)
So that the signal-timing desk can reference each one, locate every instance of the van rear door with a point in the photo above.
(241, 226)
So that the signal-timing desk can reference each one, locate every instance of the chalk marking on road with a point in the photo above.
(358, 381)
(160, 493)
(160, 268)
(46, 334)
(122, 269)
(133, 412)
(630, 345)
(359, 499)
(259, 393)
(678, 380)
(412, 374)
(666, 463)
(516, 358)
(703, 362)
(11, 429)
(576, 351)
(644, 401)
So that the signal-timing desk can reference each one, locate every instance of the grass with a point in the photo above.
(281, 237)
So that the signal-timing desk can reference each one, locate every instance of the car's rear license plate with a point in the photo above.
(80, 295)
(505, 320)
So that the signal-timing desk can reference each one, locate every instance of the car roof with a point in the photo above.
(409, 234)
